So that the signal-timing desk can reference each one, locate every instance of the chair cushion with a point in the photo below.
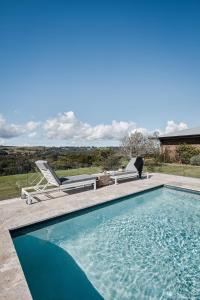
(77, 178)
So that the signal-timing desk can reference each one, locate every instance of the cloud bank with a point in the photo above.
(172, 127)
(67, 127)
(8, 131)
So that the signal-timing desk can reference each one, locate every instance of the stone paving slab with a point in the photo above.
(16, 213)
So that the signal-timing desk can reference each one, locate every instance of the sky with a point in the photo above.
(89, 72)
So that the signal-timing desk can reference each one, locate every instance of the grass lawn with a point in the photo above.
(10, 186)
(182, 170)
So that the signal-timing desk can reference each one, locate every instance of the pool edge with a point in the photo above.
(81, 210)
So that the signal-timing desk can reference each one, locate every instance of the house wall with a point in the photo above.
(170, 150)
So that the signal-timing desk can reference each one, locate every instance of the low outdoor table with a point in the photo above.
(103, 179)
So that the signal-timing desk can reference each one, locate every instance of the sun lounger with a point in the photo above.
(53, 182)
(131, 171)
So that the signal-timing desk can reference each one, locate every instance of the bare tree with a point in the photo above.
(138, 144)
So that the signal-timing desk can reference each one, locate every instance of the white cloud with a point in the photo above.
(67, 126)
(14, 130)
(115, 130)
(31, 125)
(172, 126)
(145, 131)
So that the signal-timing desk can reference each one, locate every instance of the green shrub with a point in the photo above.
(111, 163)
(159, 158)
(151, 162)
(186, 152)
(185, 157)
(195, 160)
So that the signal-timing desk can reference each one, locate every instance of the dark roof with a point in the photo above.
(183, 133)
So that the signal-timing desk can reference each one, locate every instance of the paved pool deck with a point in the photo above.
(16, 213)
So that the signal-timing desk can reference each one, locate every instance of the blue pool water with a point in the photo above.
(145, 246)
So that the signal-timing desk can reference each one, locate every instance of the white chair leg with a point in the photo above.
(23, 194)
(95, 185)
(29, 200)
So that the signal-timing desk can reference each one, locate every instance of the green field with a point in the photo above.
(10, 186)
(182, 170)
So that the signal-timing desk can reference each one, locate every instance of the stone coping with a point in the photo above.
(16, 213)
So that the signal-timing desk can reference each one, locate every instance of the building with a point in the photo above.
(169, 142)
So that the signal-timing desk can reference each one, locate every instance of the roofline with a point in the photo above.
(178, 136)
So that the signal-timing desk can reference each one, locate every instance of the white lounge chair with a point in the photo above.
(130, 172)
(54, 182)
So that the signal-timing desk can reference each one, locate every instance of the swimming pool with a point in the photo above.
(144, 246)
